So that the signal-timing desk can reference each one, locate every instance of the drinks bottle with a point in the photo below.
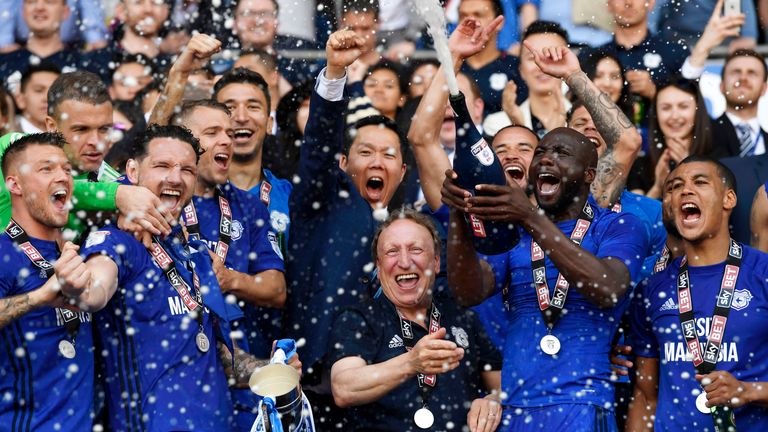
(475, 163)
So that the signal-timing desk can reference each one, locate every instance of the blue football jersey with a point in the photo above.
(656, 334)
(40, 389)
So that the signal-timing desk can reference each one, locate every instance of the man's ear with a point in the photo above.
(132, 171)
(343, 163)
(589, 175)
(729, 200)
(12, 184)
(50, 124)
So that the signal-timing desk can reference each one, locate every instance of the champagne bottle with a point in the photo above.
(723, 418)
(476, 163)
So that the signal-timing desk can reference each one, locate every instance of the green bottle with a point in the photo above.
(724, 420)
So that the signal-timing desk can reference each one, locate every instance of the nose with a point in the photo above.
(239, 114)
(173, 176)
(404, 260)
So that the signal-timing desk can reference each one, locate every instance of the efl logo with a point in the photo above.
(730, 276)
(14, 230)
(190, 215)
(735, 250)
(684, 300)
(478, 229)
(581, 229)
(718, 327)
(590, 213)
(225, 207)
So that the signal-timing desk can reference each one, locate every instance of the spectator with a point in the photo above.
(33, 293)
(382, 377)
(680, 127)
(384, 86)
(32, 98)
(606, 72)
(7, 113)
(751, 173)
(737, 132)
(127, 122)
(491, 68)
(141, 24)
(362, 17)
(84, 24)
(255, 28)
(131, 76)
(44, 44)
(582, 19)
(332, 205)
(292, 115)
(546, 106)
(518, 15)
(667, 331)
(265, 64)
(421, 76)
(683, 21)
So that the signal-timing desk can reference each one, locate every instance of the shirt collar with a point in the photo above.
(753, 123)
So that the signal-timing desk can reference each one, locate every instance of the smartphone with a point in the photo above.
(731, 7)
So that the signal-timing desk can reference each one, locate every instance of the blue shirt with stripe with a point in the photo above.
(40, 390)
(156, 378)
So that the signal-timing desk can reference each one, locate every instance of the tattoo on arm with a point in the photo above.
(608, 118)
(13, 308)
(609, 179)
(245, 364)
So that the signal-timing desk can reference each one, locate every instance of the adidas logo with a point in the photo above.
(396, 342)
(668, 305)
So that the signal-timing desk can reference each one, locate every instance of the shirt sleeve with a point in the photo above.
(500, 266)
(352, 336)
(115, 244)
(331, 90)
(95, 196)
(265, 249)
(625, 238)
(640, 336)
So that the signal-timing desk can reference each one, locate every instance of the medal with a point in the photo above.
(201, 340)
(550, 344)
(67, 349)
(701, 403)
(424, 418)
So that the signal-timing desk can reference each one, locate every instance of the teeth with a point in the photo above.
(223, 156)
(690, 206)
(59, 193)
(171, 192)
(243, 132)
(407, 276)
(514, 169)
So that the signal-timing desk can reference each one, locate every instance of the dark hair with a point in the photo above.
(393, 67)
(80, 86)
(416, 64)
(360, 6)
(374, 120)
(5, 107)
(243, 75)
(701, 143)
(543, 27)
(154, 131)
(15, 148)
(44, 66)
(126, 58)
(745, 53)
(725, 173)
(411, 215)
(274, 2)
(181, 117)
(269, 60)
(589, 66)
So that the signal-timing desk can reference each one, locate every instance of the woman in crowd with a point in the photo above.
(680, 127)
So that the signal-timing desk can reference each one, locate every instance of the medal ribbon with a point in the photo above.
(426, 382)
(552, 308)
(21, 240)
(705, 362)
(225, 224)
(168, 266)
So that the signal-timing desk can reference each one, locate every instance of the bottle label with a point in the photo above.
(478, 229)
(482, 152)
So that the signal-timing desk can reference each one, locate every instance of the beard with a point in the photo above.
(40, 211)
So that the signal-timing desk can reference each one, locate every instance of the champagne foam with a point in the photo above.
(434, 15)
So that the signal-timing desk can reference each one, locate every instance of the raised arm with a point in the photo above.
(15, 307)
(197, 52)
(718, 29)
(324, 133)
(621, 137)
(471, 279)
(90, 284)
(468, 39)
(642, 406)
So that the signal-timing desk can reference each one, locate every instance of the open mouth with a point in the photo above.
(375, 187)
(594, 140)
(407, 280)
(515, 173)
(242, 135)
(221, 160)
(59, 198)
(690, 212)
(170, 198)
(547, 184)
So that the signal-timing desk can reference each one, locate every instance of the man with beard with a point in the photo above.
(561, 358)
(697, 328)
(46, 365)
(334, 210)
(167, 332)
